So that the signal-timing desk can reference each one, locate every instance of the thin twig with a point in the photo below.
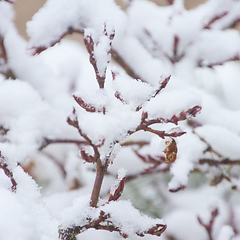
(8, 172)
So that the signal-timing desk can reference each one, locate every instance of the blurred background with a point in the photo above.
(25, 9)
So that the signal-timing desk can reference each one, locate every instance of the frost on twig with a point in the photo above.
(8, 172)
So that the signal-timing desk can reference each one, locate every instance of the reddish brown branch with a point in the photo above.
(47, 142)
(57, 162)
(124, 65)
(8, 172)
(176, 57)
(184, 115)
(101, 168)
(138, 143)
(211, 65)
(147, 172)
(89, 43)
(104, 223)
(5, 70)
(38, 50)
(118, 191)
(162, 85)
(213, 162)
(88, 107)
(214, 19)
(209, 226)
(181, 187)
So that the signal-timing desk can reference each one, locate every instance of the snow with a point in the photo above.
(222, 140)
(154, 42)
(226, 233)
(129, 219)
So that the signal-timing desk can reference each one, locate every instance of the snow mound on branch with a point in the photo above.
(27, 118)
(58, 16)
(122, 215)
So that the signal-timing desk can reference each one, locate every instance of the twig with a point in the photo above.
(104, 223)
(101, 168)
(8, 172)
(90, 45)
(5, 70)
(211, 65)
(38, 50)
(60, 165)
(147, 172)
(176, 57)
(214, 19)
(118, 59)
(213, 162)
(209, 226)
(47, 141)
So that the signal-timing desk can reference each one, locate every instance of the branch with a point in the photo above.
(47, 141)
(181, 187)
(8, 172)
(147, 172)
(104, 223)
(214, 19)
(209, 226)
(211, 65)
(176, 57)
(124, 65)
(86, 106)
(90, 45)
(101, 168)
(3, 60)
(162, 85)
(213, 162)
(38, 50)
(184, 115)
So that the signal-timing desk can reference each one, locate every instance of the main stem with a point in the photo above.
(101, 170)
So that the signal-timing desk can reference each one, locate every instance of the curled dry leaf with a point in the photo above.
(170, 151)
